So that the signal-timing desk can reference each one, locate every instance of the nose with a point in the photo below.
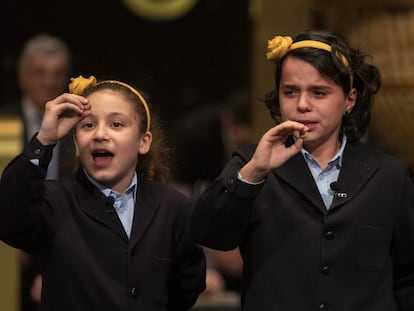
(303, 103)
(101, 133)
(50, 79)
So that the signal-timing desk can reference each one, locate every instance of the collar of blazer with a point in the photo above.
(145, 209)
(358, 165)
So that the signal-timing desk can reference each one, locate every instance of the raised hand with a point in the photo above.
(61, 114)
(272, 152)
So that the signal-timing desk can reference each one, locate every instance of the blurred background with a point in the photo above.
(192, 55)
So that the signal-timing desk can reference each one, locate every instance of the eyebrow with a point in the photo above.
(313, 86)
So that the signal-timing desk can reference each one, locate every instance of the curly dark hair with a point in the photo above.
(366, 78)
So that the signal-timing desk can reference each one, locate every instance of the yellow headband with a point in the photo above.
(80, 84)
(279, 46)
(141, 98)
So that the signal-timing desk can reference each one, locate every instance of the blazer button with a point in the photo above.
(230, 184)
(326, 269)
(323, 307)
(329, 235)
(37, 151)
(134, 292)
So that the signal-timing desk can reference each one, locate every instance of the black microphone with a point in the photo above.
(109, 203)
(335, 187)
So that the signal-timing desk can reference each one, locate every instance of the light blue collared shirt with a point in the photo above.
(324, 177)
(33, 119)
(124, 204)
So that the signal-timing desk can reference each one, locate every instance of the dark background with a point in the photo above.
(198, 59)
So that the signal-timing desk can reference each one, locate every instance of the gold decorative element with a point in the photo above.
(303, 135)
(160, 9)
(80, 84)
(278, 47)
(87, 106)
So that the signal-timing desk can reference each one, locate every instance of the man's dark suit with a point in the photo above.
(66, 156)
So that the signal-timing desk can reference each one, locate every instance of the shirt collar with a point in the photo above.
(336, 159)
(108, 191)
(32, 116)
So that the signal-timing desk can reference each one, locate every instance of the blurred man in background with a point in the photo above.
(43, 72)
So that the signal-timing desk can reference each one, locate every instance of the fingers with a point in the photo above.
(272, 151)
(66, 101)
(281, 131)
(61, 114)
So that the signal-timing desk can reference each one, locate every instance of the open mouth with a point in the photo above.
(102, 157)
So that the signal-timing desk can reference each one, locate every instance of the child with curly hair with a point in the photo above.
(323, 221)
(114, 237)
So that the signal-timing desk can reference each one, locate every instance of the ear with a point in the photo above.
(76, 145)
(350, 100)
(145, 143)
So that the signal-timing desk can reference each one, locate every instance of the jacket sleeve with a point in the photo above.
(221, 214)
(191, 279)
(21, 195)
(403, 254)
(189, 276)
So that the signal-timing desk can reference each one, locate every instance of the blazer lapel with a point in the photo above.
(104, 212)
(146, 207)
(358, 166)
(296, 173)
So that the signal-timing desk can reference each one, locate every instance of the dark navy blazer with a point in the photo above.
(88, 261)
